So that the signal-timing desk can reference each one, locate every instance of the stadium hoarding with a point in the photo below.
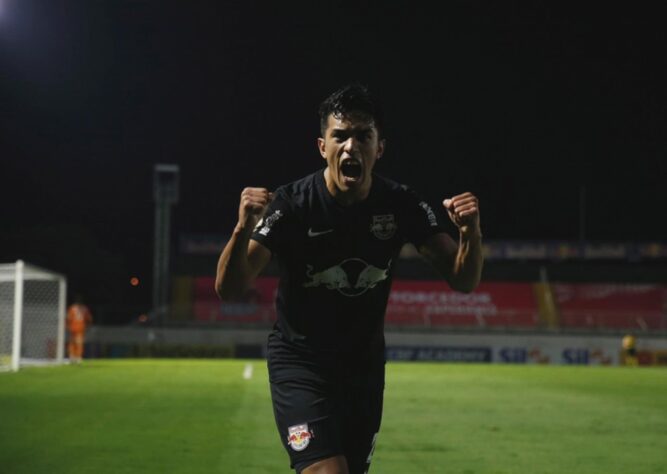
(432, 303)
(514, 305)
(549, 250)
(652, 357)
(559, 353)
(441, 354)
(411, 302)
(493, 305)
(554, 349)
(632, 306)
(257, 306)
(557, 349)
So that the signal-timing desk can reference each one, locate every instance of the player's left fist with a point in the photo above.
(463, 210)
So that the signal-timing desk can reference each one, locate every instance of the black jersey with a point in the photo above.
(336, 262)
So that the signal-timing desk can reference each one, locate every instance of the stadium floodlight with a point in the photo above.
(32, 316)
(165, 193)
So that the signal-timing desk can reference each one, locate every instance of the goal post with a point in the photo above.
(32, 316)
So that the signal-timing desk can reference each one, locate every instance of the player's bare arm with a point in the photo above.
(461, 265)
(243, 259)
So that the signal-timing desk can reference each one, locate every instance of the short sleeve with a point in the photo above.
(423, 220)
(271, 230)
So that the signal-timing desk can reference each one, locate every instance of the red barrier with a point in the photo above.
(433, 303)
(257, 306)
(426, 303)
(611, 305)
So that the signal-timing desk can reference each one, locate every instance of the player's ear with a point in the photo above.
(320, 146)
(381, 145)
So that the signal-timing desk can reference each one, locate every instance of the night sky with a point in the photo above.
(524, 107)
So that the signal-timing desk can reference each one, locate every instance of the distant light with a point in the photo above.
(134, 281)
(143, 318)
(4, 7)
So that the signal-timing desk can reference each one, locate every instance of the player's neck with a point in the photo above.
(350, 196)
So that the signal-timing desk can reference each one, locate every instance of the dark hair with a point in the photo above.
(352, 99)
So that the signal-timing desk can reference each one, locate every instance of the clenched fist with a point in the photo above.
(463, 210)
(253, 205)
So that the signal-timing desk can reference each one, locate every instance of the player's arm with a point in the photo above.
(243, 259)
(460, 264)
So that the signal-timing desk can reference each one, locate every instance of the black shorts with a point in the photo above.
(323, 411)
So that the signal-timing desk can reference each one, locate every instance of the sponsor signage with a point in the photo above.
(431, 303)
(383, 226)
(441, 354)
(201, 244)
(257, 305)
(521, 250)
(611, 305)
(585, 356)
(522, 355)
(557, 352)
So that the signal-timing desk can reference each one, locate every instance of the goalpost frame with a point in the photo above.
(21, 273)
(18, 312)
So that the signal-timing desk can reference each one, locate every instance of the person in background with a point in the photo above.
(79, 318)
(629, 344)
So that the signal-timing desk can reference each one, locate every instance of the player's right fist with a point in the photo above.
(253, 205)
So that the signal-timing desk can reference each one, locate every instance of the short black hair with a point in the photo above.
(352, 99)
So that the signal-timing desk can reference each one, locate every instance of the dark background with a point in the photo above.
(527, 106)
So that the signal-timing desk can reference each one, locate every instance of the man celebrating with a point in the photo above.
(336, 235)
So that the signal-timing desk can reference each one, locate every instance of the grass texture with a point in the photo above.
(202, 416)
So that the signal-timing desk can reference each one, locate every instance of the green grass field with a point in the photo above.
(202, 416)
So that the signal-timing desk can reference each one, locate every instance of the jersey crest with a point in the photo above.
(383, 226)
(298, 436)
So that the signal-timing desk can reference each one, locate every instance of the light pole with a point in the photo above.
(165, 193)
(582, 214)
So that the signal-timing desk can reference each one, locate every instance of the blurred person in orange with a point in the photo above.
(79, 318)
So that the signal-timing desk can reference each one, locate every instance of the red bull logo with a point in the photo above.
(340, 277)
(384, 226)
(299, 436)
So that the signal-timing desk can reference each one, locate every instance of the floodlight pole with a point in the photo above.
(582, 214)
(165, 193)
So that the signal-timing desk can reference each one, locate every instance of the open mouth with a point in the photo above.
(351, 169)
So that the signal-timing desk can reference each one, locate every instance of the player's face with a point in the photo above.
(351, 146)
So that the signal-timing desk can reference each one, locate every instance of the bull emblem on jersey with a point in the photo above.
(338, 277)
(333, 278)
(371, 276)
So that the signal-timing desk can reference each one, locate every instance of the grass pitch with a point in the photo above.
(202, 416)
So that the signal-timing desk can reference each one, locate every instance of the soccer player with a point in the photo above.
(336, 235)
(79, 318)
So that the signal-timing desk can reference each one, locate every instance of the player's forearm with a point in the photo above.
(234, 274)
(469, 261)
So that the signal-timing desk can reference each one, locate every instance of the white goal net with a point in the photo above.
(32, 316)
